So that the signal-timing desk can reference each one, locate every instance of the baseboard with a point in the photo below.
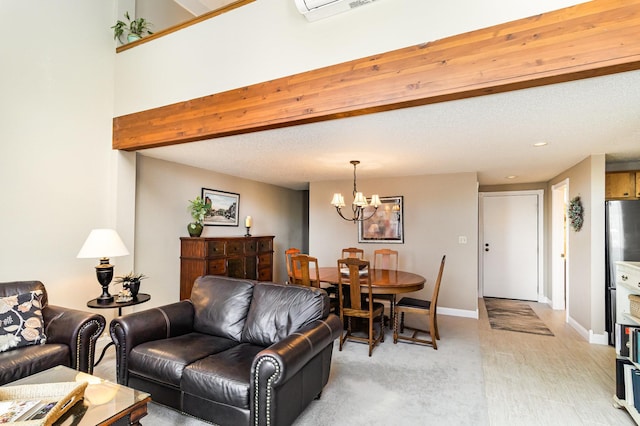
(598, 339)
(580, 329)
(458, 312)
(550, 304)
(589, 335)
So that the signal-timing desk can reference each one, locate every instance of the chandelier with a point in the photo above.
(359, 201)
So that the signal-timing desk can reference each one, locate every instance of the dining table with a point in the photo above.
(383, 281)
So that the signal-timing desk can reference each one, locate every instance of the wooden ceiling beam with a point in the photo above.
(587, 40)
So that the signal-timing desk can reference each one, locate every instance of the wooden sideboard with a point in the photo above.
(238, 257)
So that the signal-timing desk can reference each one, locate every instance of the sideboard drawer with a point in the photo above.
(264, 274)
(234, 247)
(216, 248)
(264, 259)
(250, 246)
(217, 267)
(264, 244)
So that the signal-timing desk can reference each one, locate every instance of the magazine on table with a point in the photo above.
(23, 410)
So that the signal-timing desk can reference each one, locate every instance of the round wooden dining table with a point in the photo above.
(383, 281)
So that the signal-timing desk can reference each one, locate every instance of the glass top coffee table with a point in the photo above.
(104, 403)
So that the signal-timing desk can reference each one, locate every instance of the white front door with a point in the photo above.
(510, 245)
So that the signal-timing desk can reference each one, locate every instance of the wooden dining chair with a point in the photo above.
(354, 305)
(353, 252)
(301, 271)
(426, 308)
(306, 272)
(386, 259)
(287, 256)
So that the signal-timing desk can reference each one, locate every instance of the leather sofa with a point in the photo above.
(69, 335)
(238, 352)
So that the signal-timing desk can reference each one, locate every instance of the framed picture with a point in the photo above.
(224, 207)
(386, 224)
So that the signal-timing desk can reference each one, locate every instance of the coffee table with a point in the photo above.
(104, 403)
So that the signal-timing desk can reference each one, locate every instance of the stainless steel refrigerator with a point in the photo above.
(622, 235)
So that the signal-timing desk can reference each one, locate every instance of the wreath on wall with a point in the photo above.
(576, 213)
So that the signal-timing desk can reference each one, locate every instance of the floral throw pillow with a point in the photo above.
(21, 321)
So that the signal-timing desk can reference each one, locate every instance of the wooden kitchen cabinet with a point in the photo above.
(622, 185)
(238, 257)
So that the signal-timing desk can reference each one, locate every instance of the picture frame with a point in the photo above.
(387, 223)
(225, 207)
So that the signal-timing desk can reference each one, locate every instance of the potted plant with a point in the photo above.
(130, 282)
(198, 208)
(135, 29)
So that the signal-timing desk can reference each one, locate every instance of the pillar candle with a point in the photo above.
(248, 221)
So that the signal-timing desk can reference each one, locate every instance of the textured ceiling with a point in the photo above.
(492, 135)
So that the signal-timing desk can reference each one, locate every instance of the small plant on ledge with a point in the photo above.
(135, 29)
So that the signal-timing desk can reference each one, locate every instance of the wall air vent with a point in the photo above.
(314, 10)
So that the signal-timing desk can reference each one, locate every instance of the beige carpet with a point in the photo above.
(400, 385)
(514, 315)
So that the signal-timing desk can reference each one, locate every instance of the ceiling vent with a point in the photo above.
(314, 10)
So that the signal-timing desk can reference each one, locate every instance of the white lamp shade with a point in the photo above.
(103, 243)
(375, 200)
(360, 200)
(338, 200)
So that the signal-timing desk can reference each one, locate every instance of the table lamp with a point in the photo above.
(103, 244)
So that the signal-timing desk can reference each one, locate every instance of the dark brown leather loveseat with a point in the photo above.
(238, 352)
(69, 335)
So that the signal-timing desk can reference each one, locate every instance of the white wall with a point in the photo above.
(161, 13)
(268, 39)
(163, 191)
(57, 169)
(586, 267)
(437, 210)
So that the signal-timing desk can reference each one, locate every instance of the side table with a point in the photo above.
(93, 303)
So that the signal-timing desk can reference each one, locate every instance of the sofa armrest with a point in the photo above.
(78, 329)
(129, 331)
(275, 365)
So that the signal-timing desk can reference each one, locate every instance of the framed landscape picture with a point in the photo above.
(224, 207)
(386, 225)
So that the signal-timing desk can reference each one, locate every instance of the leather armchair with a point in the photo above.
(71, 337)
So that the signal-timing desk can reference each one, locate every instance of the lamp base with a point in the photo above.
(104, 272)
(248, 234)
(105, 300)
